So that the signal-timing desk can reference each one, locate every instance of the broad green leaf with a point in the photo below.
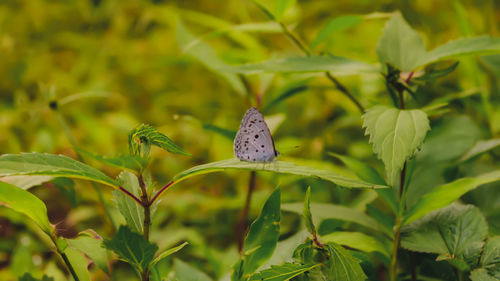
(28, 277)
(26, 182)
(445, 194)
(206, 56)
(342, 266)
(335, 25)
(132, 248)
(168, 253)
(261, 239)
(322, 211)
(480, 45)
(24, 202)
(337, 65)
(395, 135)
(79, 263)
(400, 45)
(132, 163)
(92, 246)
(185, 272)
(479, 148)
(454, 232)
(490, 257)
(276, 166)
(141, 137)
(283, 272)
(356, 240)
(306, 212)
(130, 209)
(50, 165)
(481, 274)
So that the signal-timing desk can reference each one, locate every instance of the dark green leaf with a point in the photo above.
(128, 207)
(132, 248)
(283, 272)
(27, 277)
(306, 212)
(168, 253)
(132, 163)
(435, 74)
(342, 266)
(490, 257)
(145, 135)
(261, 239)
(335, 25)
(229, 134)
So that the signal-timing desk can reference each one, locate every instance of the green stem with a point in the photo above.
(242, 224)
(394, 259)
(72, 140)
(146, 204)
(69, 266)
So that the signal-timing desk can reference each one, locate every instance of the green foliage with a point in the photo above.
(356, 240)
(335, 25)
(261, 239)
(168, 252)
(26, 182)
(186, 272)
(131, 163)
(29, 277)
(276, 166)
(306, 213)
(79, 263)
(490, 257)
(341, 265)
(92, 246)
(132, 248)
(275, 9)
(395, 135)
(26, 203)
(480, 147)
(283, 272)
(142, 137)
(50, 165)
(130, 209)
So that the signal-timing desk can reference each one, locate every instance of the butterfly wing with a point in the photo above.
(253, 141)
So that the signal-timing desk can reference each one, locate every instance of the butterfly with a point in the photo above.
(254, 142)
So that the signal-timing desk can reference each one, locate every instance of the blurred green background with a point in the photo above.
(111, 65)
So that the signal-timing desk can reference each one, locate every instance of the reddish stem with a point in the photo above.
(131, 195)
(163, 189)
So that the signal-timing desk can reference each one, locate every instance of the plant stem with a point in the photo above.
(330, 77)
(242, 224)
(394, 259)
(69, 266)
(131, 195)
(146, 204)
(159, 192)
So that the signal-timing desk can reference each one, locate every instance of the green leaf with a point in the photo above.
(131, 163)
(274, 9)
(26, 182)
(168, 253)
(92, 246)
(50, 165)
(261, 239)
(490, 258)
(322, 211)
(141, 137)
(479, 148)
(283, 272)
(281, 7)
(27, 277)
(79, 263)
(356, 240)
(306, 213)
(445, 194)
(227, 133)
(395, 135)
(276, 166)
(400, 45)
(480, 45)
(185, 272)
(435, 74)
(456, 233)
(26, 203)
(481, 274)
(342, 266)
(337, 65)
(128, 207)
(206, 56)
(335, 25)
(132, 248)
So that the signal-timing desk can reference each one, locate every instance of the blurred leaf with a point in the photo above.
(27, 277)
(276, 166)
(480, 45)
(207, 56)
(132, 248)
(435, 74)
(337, 65)
(454, 232)
(322, 211)
(26, 182)
(342, 266)
(229, 134)
(395, 135)
(479, 148)
(146, 135)
(24, 202)
(490, 257)
(281, 7)
(283, 272)
(79, 263)
(93, 248)
(274, 9)
(50, 165)
(481, 274)
(287, 92)
(400, 45)
(356, 240)
(130, 210)
(335, 25)
(168, 253)
(306, 213)
(445, 194)
(261, 239)
(67, 187)
(132, 163)
(185, 272)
